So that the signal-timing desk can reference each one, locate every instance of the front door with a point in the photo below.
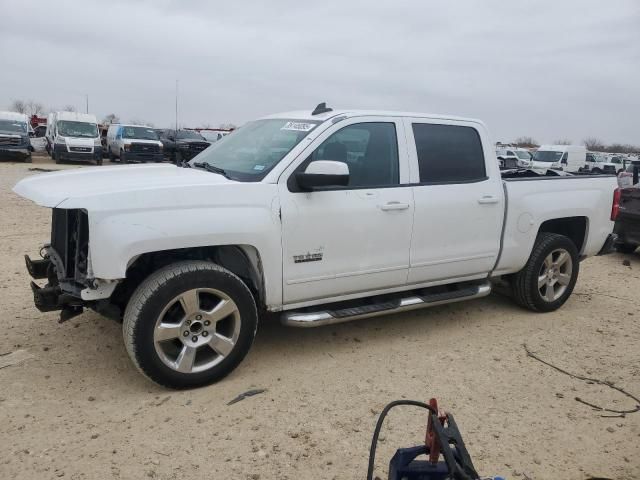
(349, 239)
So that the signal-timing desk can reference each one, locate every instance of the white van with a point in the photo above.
(133, 143)
(570, 158)
(75, 137)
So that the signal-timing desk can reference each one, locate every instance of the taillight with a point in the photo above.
(615, 207)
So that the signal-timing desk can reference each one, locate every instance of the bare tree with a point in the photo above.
(227, 126)
(69, 108)
(19, 106)
(111, 118)
(562, 141)
(526, 142)
(594, 144)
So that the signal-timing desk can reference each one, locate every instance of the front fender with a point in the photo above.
(116, 239)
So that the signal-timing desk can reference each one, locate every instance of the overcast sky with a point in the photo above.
(550, 69)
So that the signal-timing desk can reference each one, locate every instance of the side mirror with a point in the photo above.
(323, 173)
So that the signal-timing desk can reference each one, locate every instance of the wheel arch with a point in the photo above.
(243, 260)
(574, 228)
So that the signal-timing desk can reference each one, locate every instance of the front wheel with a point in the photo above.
(547, 280)
(189, 324)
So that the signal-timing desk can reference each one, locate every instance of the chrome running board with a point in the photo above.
(328, 316)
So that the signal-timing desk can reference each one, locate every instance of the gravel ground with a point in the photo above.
(78, 409)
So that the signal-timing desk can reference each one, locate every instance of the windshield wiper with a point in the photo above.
(211, 168)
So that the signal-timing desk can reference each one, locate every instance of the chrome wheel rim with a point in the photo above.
(555, 275)
(197, 330)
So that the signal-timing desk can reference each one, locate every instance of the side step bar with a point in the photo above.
(319, 318)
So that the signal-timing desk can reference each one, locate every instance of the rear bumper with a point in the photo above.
(627, 230)
(609, 244)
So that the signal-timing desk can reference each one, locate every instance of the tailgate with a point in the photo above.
(630, 204)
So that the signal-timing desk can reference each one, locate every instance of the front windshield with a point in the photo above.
(67, 128)
(190, 134)
(549, 156)
(522, 155)
(13, 126)
(251, 151)
(141, 133)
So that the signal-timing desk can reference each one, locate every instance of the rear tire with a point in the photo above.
(626, 248)
(547, 280)
(172, 331)
(28, 159)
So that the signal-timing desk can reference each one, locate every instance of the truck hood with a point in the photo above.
(91, 184)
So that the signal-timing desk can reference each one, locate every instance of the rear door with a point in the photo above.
(459, 201)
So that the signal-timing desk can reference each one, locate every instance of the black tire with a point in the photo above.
(157, 293)
(524, 284)
(99, 161)
(626, 248)
(56, 157)
(28, 159)
(122, 158)
(112, 157)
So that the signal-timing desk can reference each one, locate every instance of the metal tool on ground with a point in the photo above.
(442, 439)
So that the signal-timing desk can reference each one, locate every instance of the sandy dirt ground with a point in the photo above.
(78, 409)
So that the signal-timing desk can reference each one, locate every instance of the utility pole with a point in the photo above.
(176, 107)
(87, 99)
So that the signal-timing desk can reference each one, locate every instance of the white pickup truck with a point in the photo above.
(323, 216)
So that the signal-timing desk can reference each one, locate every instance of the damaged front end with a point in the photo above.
(65, 264)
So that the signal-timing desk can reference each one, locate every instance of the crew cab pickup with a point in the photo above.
(322, 216)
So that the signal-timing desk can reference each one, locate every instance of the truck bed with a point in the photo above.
(533, 200)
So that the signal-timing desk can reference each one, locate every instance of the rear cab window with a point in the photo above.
(448, 154)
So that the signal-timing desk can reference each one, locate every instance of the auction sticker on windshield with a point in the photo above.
(298, 126)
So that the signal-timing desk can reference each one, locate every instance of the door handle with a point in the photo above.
(488, 199)
(394, 206)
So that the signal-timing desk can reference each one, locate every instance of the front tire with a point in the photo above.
(189, 324)
(547, 280)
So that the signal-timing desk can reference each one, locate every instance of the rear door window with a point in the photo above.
(449, 153)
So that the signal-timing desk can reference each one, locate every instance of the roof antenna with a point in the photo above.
(321, 108)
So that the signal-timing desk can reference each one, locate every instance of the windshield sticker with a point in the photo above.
(259, 167)
(298, 126)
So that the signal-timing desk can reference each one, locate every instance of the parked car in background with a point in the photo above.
(627, 213)
(133, 143)
(14, 137)
(600, 163)
(570, 158)
(321, 216)
(213, 135)
(626, 178)
(75, 137)
(509, 157)
(38, 138)
(182, 145)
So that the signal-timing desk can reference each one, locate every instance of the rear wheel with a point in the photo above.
(112, 157)
(189, 324)
(28, 159)
(123, 159)
(547, 280)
